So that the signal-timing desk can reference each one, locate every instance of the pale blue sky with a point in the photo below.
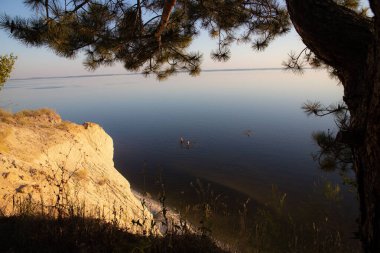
(37, 62)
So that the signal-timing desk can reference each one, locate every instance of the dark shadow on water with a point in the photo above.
(247, 224)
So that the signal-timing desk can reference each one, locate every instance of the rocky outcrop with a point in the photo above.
(61, 166)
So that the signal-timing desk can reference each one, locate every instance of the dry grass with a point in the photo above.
(49, 124)
(5, 116)
(65, 126)
(43, 115)
(78, 233)
(4, 133)
(26, 117)
(36, 113)
(16, 127)
(4, 113)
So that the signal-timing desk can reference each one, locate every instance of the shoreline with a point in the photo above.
(155, 208)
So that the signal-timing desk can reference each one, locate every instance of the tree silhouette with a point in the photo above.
(146, 35)
(153, 36)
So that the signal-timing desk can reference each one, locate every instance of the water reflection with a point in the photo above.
(243, 133)
(217, 112)
(146, 118)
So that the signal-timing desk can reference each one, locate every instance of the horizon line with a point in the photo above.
(139, 73)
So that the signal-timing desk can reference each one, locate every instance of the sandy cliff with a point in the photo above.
(63, 164)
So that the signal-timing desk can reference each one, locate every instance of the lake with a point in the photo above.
(246, 129)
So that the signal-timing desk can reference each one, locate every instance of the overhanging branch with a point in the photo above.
(168, 7)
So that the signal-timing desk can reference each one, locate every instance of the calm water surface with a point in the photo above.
(146, 118)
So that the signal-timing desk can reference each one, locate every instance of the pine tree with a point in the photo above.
(153, 36)
(145, 35)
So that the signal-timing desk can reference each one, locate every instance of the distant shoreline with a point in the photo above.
(133, 74)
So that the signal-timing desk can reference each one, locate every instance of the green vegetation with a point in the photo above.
(148, 36)
(153, 36)
(6, 66)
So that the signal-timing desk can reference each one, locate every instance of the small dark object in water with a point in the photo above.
(185, 143)
(248, 132)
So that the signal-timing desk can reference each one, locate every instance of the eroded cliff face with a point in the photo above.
(61, 165)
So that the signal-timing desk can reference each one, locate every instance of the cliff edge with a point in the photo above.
(61, 165)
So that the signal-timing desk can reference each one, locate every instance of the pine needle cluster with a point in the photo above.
(143, 34)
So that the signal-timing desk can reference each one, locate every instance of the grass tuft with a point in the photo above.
(44, 233)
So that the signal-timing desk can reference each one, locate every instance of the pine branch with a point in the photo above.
(168, 7)
(317, 109)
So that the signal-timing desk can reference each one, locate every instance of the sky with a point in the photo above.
(42, 62)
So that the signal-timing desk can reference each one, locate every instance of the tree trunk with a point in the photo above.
(350, 43)
(367, 160)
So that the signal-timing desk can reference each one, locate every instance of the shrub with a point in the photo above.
(6, 66)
